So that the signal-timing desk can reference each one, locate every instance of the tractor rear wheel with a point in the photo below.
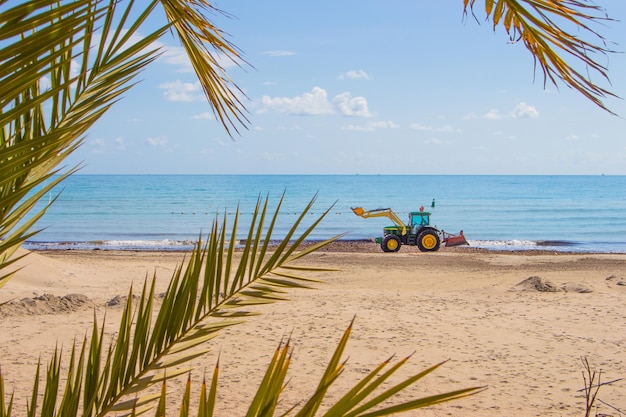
(391, 243)
(428, 241)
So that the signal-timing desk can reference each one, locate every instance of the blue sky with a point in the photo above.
(358, 87)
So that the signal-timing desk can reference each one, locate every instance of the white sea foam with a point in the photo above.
(501, 244)
(147, 243)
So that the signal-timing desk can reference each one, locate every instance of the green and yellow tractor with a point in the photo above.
(418, 232)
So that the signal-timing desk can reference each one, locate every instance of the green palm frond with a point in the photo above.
(542, 25)
(211, 293)
(357, 402)
(5, 406)
(366, 398)
(203, 298)
(43, 40)
(206, 45)
(41, 43)
(208, 399)
(266, 398)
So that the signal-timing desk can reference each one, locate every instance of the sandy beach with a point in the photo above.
(516, 322)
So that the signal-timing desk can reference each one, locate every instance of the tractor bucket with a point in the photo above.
(454, 240)
(357, 210)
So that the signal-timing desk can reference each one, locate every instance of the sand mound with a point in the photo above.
(537, 284)
(47, 304)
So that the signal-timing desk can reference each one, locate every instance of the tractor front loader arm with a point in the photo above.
(381, 212)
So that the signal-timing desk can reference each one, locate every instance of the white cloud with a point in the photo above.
(317, 103)
(572, 137)
(358, 128)
(177, 56)
(97, 145)
(351, 106)
(180, 91)
(278, 53)
(203, 116)
(525, 111)
(313, 103)
(387, 124)
(272, 156)
(418, 126)
(435, 141)
(371, 126)
(521, 111)
(444, 129)
(100, 146)
(120, 143)
(493, 114)
(160, 141)
(355, 75)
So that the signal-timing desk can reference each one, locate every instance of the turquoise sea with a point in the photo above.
(149, 212)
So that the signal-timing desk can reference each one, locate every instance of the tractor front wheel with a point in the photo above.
(391, 243)
(428, 241)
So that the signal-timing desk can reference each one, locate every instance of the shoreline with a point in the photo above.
(351, 246)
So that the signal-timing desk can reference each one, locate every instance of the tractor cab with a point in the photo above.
(419, 219)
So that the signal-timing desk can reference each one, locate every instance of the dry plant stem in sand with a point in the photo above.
(591, 391)
(592, 388)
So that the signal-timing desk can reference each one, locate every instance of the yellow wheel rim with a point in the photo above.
(429, 241)
(392, 244)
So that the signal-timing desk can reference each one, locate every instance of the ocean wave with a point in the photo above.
(550, 245)
(187, 245)
(517, 244)
(502, 243)
(123, 245)
(140, 245)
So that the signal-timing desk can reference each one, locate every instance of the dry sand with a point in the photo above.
(518, 323)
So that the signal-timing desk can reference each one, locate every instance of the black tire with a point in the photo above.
(428, 241)
(391, 243)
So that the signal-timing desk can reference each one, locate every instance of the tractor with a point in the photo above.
(418, 232)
